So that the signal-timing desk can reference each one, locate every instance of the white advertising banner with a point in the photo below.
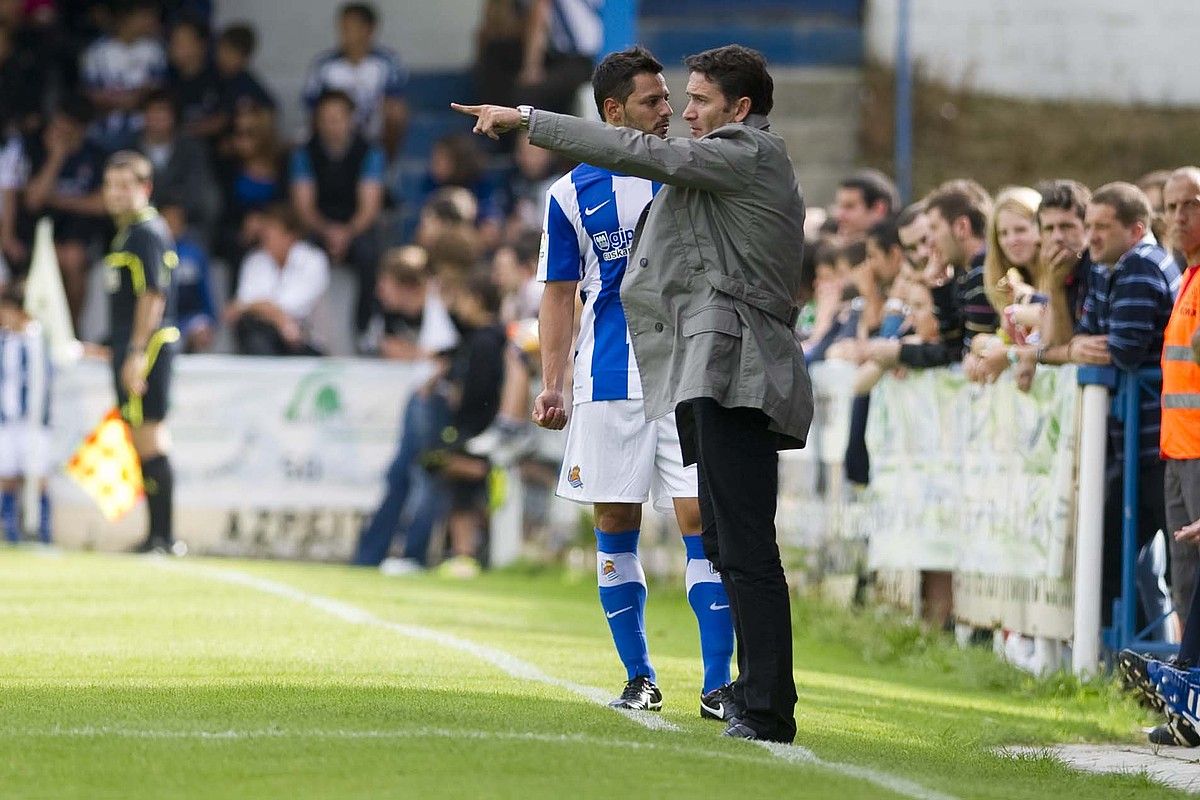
(272, 457)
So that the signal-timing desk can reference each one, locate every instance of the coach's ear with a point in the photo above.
(741, 109)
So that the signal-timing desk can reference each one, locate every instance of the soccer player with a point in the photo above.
(141, 311)
(615, 459)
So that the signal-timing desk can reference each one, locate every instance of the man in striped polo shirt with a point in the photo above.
(1129, 300)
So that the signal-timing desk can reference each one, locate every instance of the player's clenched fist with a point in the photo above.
(549, 410)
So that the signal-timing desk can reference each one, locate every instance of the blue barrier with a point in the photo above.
(1127, 390)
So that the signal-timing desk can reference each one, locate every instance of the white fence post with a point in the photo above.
(1089, 530)
(507, 521)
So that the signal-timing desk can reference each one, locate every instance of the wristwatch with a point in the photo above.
(526, 113)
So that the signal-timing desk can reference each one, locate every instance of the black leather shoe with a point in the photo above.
(740, 730)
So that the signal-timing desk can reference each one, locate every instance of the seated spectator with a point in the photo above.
(282, 283)
(370, 75)
(448, 209)
(118, 72)
(411, 322)
(514, 268)
(957, 214)
(253, 177)
(240, 89)
(194, 307)
(194, 83)
(457, 161)
(337, 189)
(863, 199)
(65, 169)
(181, 165)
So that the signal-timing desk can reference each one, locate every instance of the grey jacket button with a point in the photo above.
(658, 326)
(642, 263)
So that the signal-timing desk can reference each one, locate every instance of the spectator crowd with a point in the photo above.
(1051, 274)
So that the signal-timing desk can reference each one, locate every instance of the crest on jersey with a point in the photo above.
(573, 477)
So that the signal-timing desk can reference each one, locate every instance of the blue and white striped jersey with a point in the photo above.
(591, 214)
(18, 353)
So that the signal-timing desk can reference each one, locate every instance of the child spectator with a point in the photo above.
(449, 208)
(457, 161)
(24, 443)
(119, 70)
(239, 87)
(194, 307)
(412, 323)
(472, 388)
(282, 283)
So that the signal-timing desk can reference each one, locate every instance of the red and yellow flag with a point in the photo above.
(107, 467)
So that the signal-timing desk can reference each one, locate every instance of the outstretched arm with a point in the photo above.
(713, 164)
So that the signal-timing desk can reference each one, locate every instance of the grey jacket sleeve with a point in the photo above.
(721, 162)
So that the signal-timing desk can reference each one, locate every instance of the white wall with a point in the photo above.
(427, 35)
(1112, 50)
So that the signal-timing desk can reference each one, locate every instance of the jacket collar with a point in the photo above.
(759, 121)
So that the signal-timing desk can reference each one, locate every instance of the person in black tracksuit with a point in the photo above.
(139, 267)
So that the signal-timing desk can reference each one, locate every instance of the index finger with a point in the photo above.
(472, 110)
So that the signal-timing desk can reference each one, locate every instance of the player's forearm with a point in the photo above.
(147, 316)
(556, 319)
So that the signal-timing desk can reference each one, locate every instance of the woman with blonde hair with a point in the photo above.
(1012, 244)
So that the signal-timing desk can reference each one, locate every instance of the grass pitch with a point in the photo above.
(125, 677)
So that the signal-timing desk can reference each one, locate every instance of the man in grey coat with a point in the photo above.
(710, 300)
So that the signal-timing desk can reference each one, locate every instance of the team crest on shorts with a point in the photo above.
(609, 570)
(573, 477)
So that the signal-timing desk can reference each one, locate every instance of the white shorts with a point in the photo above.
(614, 455)
(16, 441)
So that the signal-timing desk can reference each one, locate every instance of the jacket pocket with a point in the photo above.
(712, 319)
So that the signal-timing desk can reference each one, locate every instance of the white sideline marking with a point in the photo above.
(103, 731)
(893, 783)
(354, 615)
(517, 668)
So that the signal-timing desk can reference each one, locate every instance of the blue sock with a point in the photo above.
(8, 515)
(623, 598)
(706, 594)
(44, 518)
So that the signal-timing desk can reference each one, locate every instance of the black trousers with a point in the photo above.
(738, 466)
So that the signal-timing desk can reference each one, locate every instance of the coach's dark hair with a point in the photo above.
(739, 72)
(134, 162)
(613, 77)
(1065, 195)
(874, 186)
(364, 11)
(962, 197)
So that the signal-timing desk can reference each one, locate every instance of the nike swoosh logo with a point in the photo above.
(715, 607)
(587, 212)
(621, 611)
